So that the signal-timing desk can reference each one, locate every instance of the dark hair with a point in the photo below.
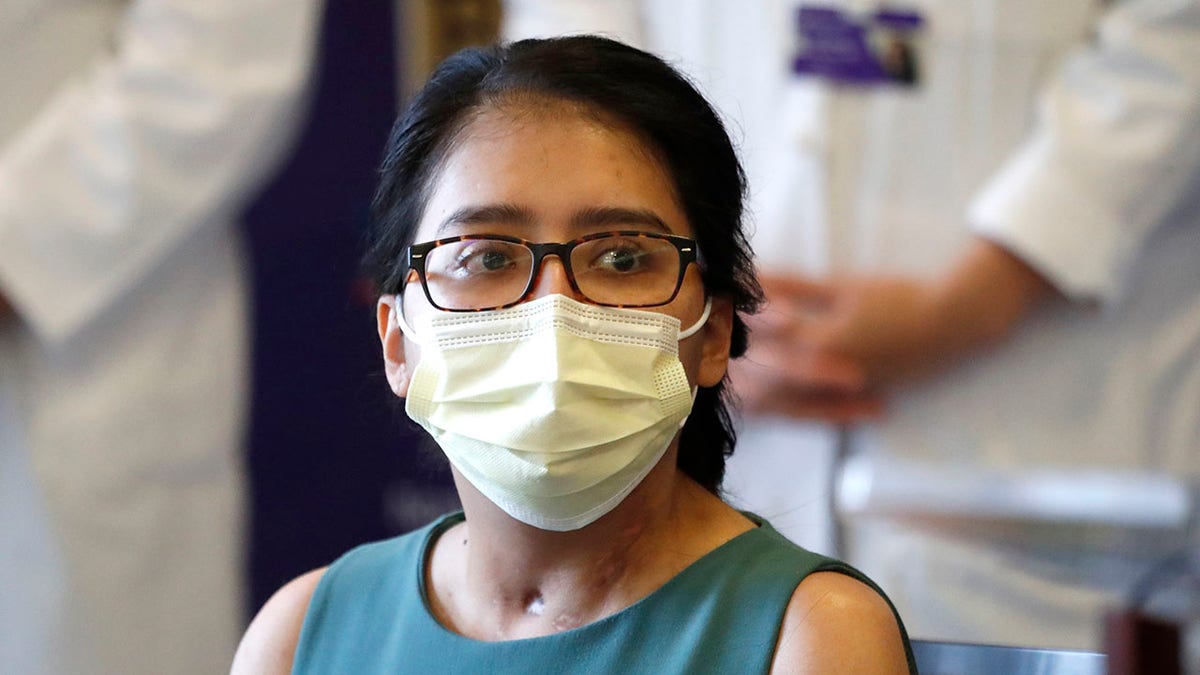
(617, 82)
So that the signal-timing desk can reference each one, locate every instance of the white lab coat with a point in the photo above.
(1095, 186)
(130, 135)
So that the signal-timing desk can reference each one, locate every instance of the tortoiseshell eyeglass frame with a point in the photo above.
(414, 259)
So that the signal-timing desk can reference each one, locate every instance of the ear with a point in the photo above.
(717, 334)
(391, 339)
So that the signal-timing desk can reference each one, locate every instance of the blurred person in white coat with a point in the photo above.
(988, 265)
(131, 133)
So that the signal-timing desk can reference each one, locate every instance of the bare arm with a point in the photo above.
(837, 624)
(270, 642)
(897, 328)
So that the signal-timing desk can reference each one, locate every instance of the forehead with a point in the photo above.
(551, 159)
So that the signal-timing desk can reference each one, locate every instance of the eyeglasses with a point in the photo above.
(486, 271)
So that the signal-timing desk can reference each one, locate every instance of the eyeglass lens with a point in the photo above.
(618, 270)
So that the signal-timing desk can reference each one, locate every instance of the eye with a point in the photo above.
(621, 256)
(483, 257)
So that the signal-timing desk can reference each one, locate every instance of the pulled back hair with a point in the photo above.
(616, 82)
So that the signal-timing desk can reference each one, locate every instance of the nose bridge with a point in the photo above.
(551, 276)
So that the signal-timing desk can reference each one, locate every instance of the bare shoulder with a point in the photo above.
(270, 641)
(837, 624)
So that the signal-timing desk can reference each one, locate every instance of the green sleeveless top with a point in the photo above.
(370, 614)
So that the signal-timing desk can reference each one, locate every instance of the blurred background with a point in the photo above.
(192, 403)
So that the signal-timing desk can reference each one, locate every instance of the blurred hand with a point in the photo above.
(826, 349)
(790, 370)
(890, 328)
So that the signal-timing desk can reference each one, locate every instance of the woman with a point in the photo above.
(563, 330)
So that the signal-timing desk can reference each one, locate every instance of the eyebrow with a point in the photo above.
(596, 216)
(487, 214)
(590, 217)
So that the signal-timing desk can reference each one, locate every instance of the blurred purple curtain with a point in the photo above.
(332, 461)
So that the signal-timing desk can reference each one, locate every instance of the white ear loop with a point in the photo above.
(694, 328)
(398, 310)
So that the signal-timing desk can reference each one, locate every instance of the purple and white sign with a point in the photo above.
(852, 48)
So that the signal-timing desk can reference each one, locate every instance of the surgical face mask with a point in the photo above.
(555, 410)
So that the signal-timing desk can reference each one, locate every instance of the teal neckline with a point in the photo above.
(696, 567)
